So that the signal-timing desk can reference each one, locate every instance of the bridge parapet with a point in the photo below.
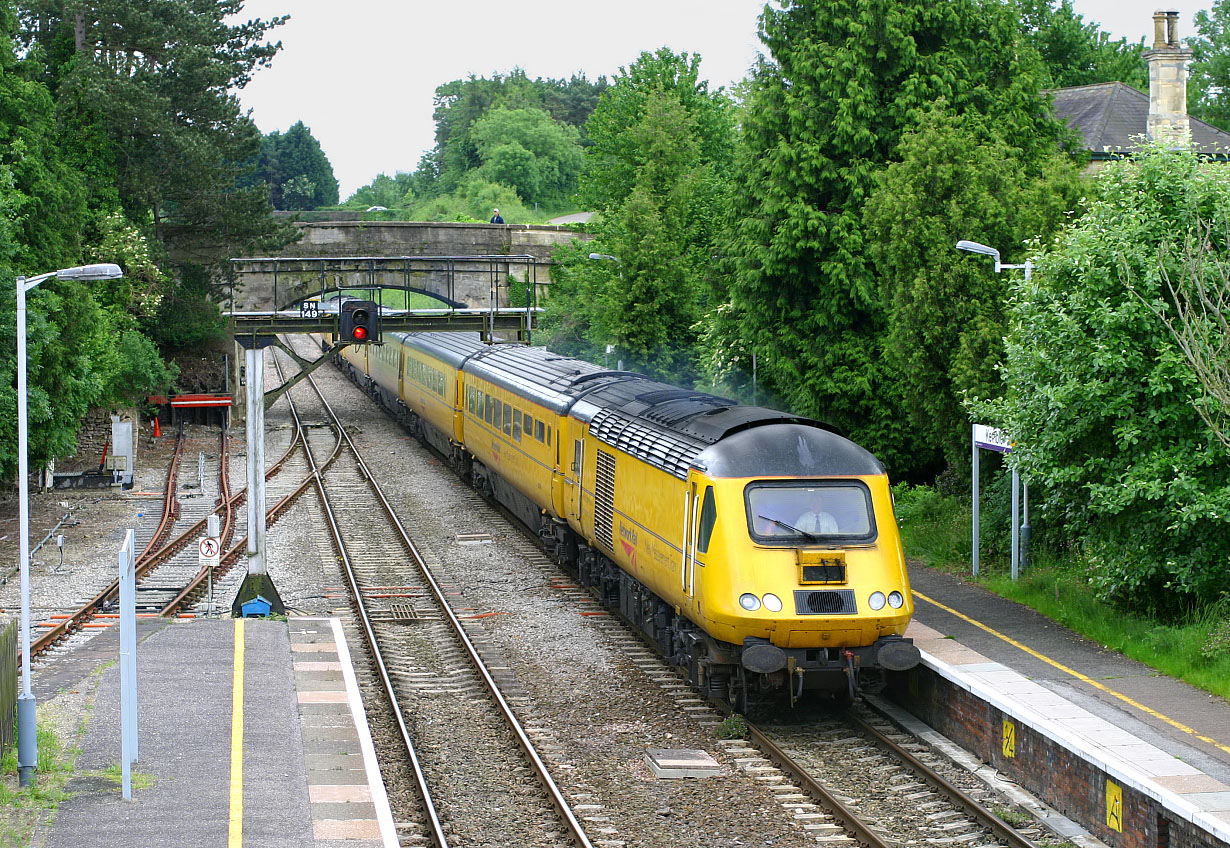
(459, 263)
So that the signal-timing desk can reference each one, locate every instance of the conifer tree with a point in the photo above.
(825, 113)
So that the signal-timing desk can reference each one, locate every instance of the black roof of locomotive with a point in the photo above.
(671, 428)
(787, 450)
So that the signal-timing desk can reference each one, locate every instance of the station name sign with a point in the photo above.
(991, 438)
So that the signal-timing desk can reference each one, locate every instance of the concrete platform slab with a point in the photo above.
(187, 791)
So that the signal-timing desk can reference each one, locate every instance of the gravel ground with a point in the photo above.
(596, 709)
(593, 699)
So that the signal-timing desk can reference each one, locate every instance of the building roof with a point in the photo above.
(1110, 115)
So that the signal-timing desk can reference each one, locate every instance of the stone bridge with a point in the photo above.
(461, 264)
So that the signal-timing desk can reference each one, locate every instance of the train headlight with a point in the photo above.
(895, 600)
(876, 601)
(749, 602)
(772, 603)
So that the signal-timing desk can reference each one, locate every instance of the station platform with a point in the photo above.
(250, 732)
(1154, 740)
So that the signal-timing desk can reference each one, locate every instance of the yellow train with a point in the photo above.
(757, 549)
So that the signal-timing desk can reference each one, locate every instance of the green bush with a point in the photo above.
(1100, 400)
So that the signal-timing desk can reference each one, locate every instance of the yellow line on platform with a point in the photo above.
(1081, 677)
(235, 832)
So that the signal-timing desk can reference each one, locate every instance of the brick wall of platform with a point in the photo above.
(1062, 778)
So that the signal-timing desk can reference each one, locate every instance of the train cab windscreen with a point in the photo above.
(815, 512)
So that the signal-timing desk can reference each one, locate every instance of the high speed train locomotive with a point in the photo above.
(757, 549)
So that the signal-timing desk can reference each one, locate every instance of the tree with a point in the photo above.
(47, 202)
(1077, 53)
(945, 312)
(79, 354)
(459, 104)
(650, 128)
(294, 161)
(528, 150)
(1208, 85)
(1200, 322)
(1099, 398)
(613, 155)
(149, 87)
(390, 192)
(825, 113)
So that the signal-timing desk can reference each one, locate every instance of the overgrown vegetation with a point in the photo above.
(1192, 645)
(22, 808)
(1100, 399)
(120, 141)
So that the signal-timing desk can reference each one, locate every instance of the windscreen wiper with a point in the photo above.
(812, 536)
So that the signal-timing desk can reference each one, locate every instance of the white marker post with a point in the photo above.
(128, 661)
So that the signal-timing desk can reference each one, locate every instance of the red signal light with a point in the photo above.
(360, 334)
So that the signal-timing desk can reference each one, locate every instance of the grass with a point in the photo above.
(731, 727)
(1196, 649)
(395, 298)
(21, 809)
(115, 774)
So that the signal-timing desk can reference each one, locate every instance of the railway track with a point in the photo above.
(169, 577)
(882, 787)
(165, 547)
(817, 775)
(461, 738)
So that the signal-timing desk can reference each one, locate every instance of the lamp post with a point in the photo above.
(1020, 532)
(27, 744)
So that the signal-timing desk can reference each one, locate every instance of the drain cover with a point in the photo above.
(404, 613)
(681, 762)
(474, 539)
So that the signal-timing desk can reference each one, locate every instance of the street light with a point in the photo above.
(975, 247)
(1020, 532)
(614, 259)
(27, 744)
(606, 357)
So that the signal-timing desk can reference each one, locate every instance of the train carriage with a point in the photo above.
(757, 549)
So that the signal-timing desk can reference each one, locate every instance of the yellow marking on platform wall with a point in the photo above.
(1081, 677)
(235, 830)
(1114, 806)
(1009, 739)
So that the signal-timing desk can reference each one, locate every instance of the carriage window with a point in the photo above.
(492, 409)
(809, 512)
(708, 518)
(548, 435)
(516, 431)
(508, 413)
(539, 430)
(528, 426)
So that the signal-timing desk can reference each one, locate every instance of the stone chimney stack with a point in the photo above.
(1167, 80)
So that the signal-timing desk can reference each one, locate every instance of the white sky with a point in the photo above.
(361, 73)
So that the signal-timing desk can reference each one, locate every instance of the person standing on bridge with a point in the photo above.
(496, 219)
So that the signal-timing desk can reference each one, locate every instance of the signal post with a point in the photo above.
(257, 581)
(355, 322)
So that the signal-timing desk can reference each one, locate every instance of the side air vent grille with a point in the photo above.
(825, 602)
(658, 447)
(604, 501)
